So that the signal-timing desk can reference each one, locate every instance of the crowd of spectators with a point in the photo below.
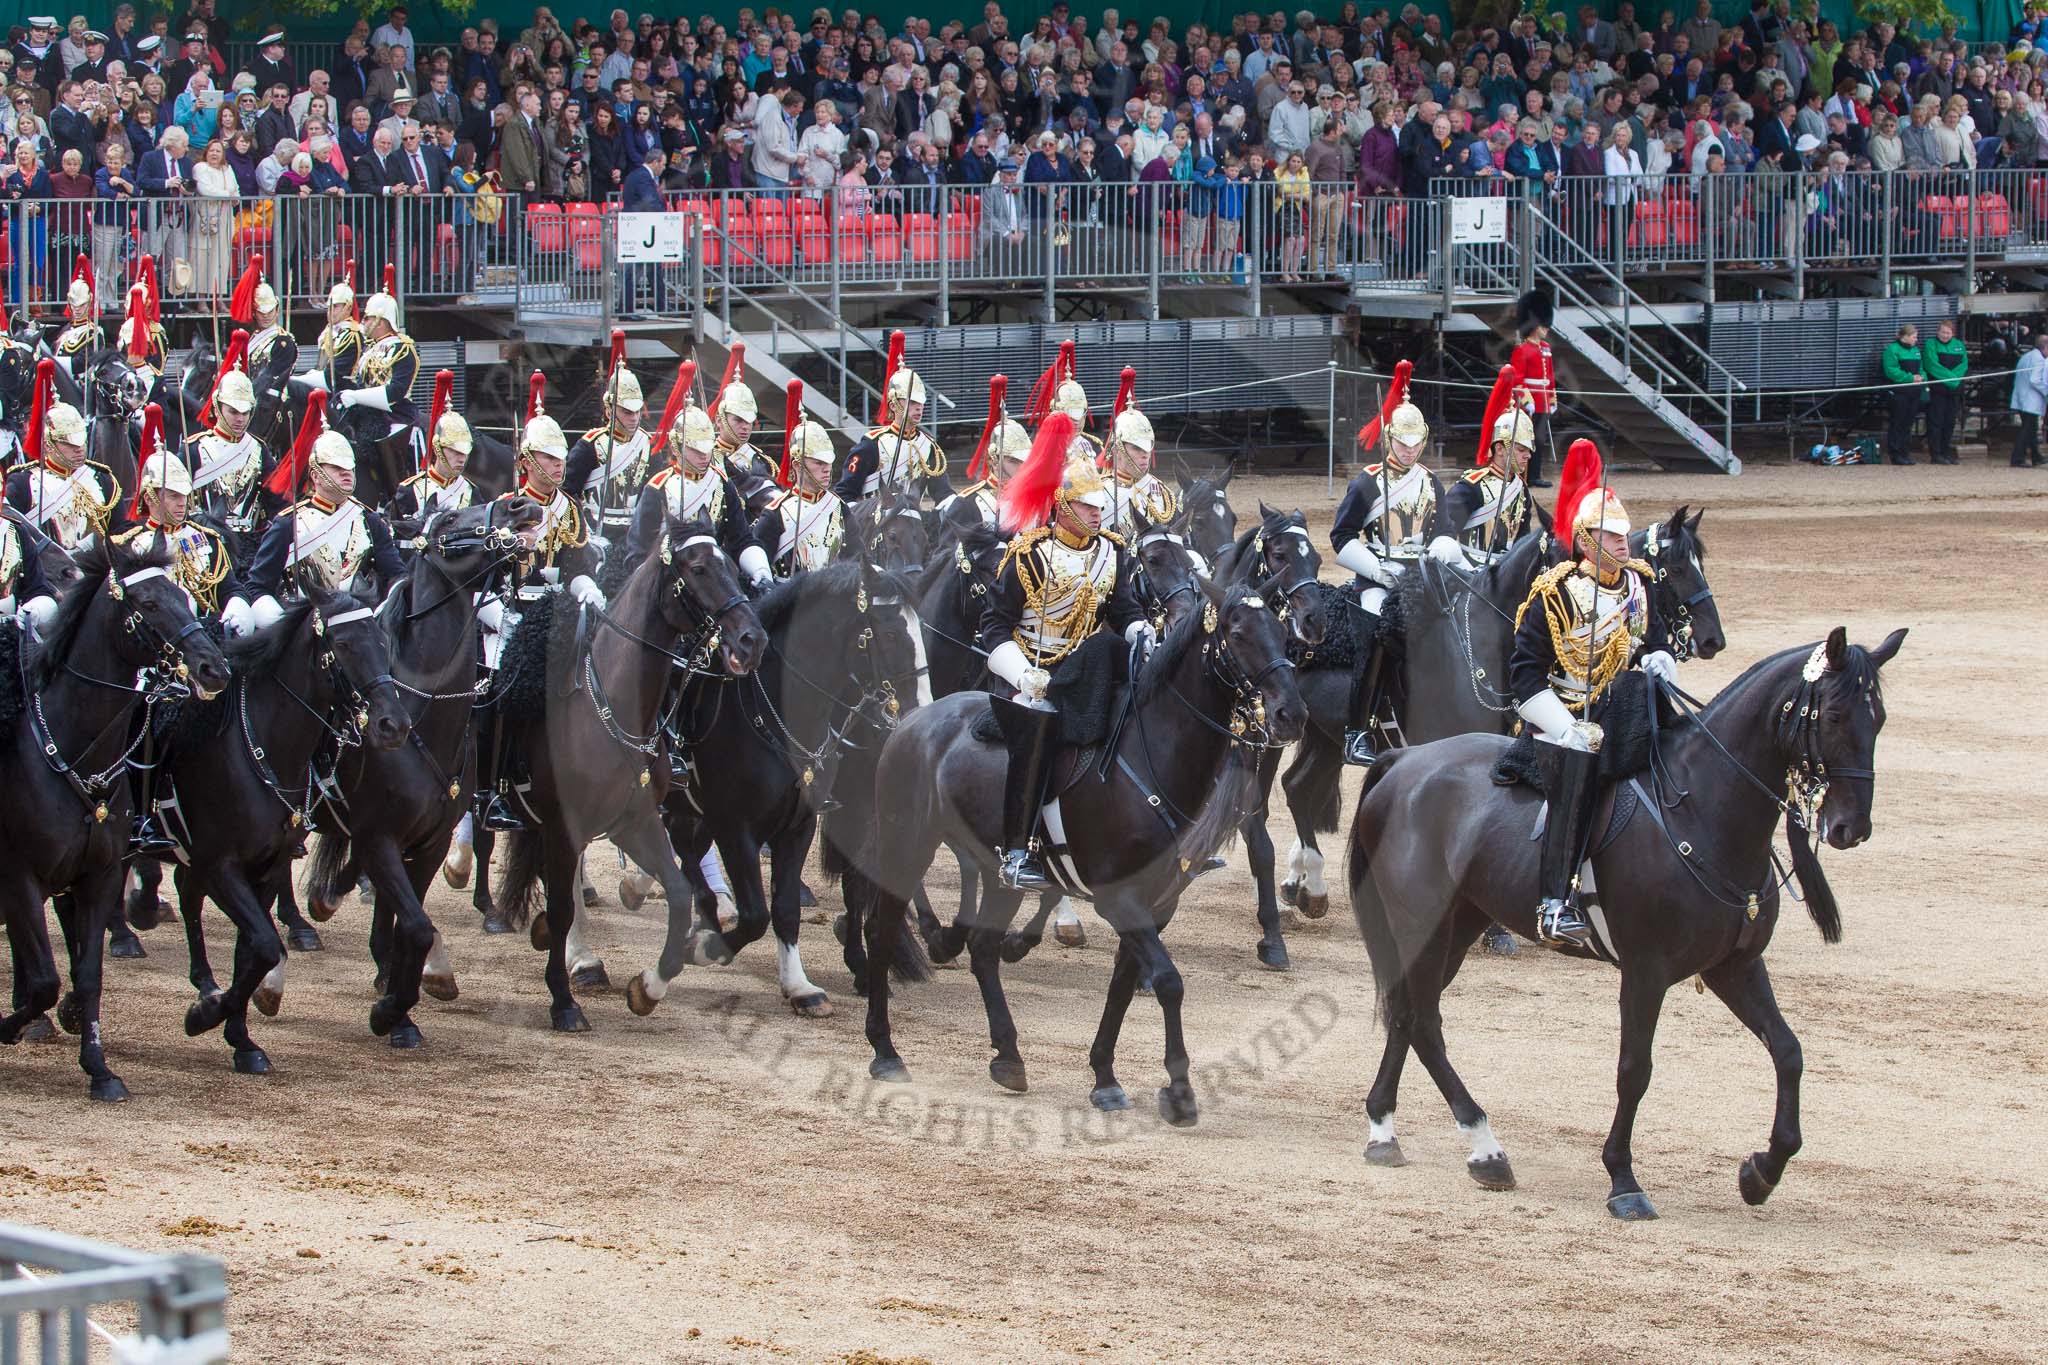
(1368, 103)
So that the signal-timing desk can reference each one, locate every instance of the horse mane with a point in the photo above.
(94, 566)
(259, 651)
(974, 541)
(778, 604)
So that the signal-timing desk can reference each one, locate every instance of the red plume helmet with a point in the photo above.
(355, 303)
(1496, 404)
(242, 303)
(678, 394)
(897, 342)
(284, 480)
(1397, 394)
(792, 414)
(1028, 497)
(391, 278)
(1126, 391)
(138, 319)
(1583, 474)
(618, 355)
(998, 386)
(32, 438)
(536, 388)
(236, 357)
(1048, 384)
(83, 271)
(152, 441)
(735, 364)
(152, 291)
(444, 394)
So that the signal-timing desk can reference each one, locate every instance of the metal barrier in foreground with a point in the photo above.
(50, 1282)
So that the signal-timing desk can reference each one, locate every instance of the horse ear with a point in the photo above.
(1181, 475)
(1212, 589)
(1882, 655)
(1224, 482)
(1838, 647)
(1696, 520)
(1140, 524)
(1677, 522)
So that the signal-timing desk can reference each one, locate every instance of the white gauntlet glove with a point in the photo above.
(348, 398)
(41, 613)
(585, 590)
(1033, 684)
(490, 614)
(1445, 550)
(754, 564)
(236, 617)
(1007, 662)
(1141, 632)
(1659, 664)
(1552, 719)
(1363, 562)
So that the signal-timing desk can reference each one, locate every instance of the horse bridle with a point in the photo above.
(1248, 711)
(1677, 613)
(351, 700)
(1282, 595)
(1156, 603)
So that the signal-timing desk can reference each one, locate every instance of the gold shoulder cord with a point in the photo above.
(1038, 585)
(1608, 660)
(98, 511)
(202, 581)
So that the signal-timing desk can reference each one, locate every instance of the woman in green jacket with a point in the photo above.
(1946, 362)
(1907, 374)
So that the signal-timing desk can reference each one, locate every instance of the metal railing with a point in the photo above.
(49, 1283)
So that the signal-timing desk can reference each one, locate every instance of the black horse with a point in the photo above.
(889, 531)
(391, 812)
(1455, 632)
(124, 638)
(767, 752)
(1689, 883)
(1205, 515)
(594, 751)
(317, 681)
(1165, 792)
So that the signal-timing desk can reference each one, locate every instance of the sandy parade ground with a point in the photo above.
(720, 1181)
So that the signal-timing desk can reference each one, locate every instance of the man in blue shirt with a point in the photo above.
(641, 193)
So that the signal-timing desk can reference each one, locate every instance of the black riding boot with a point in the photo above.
(1031, 734)
(1359, 720)
(1568, 775)
(496, 813)
(146, 838)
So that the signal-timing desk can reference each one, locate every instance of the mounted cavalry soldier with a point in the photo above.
(440, 486)
(201, 564)
(610, 464)
(382, 380)
(341, 340)
(803, 529)
(895, 454)
(80, 336)
(1489, 508)
(142, 338)
(1002, 448)
(1057, 586)
(1387, 522)
(327, 535)
(272, 349)
(227, 463)
(733, 415)
(1134, 489)
(1584, 622)
(67, 497)
(25, 590)
(696, 485)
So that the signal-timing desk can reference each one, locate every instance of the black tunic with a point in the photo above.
(650, 516)
(1533, 660)
(1396, 531)
(268, 571)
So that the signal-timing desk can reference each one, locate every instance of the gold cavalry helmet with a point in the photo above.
(332, 448)
(1081, 483)
(1514, 427)
(1600, 510)
(342, 295)
(543, 436)
(78, 298)
(164, 472)
(1009, 441)
(382, 305)
(905, 386)
(810, 441)
(236, 392)
(451, 432)
(1071, 399)
(266, 298)
(624, 393)
(1133, 428)
(63, 425)
(693, 429)
(1408, 426)
(737, 400)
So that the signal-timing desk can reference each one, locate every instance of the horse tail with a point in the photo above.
(1324, 804)
(520, 889)
(833, 860)
(330, 874)
(864, 897)
(1813, 883)
(1388, 976)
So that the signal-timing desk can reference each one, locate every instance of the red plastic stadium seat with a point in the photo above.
(815, 240)
(853, 240)
(1397, 218)
(959, 237)
(923, 232)
(778, 249)
(1648, 229)
(887, 235)
(1994, 216)
(1684, 217)
(544, 223)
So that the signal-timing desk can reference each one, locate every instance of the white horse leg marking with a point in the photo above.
(1064, 912)
(1379, 1130)
(575, 952)
(789, 971)
(1294, 851)
(726, 912)
(1312, 872)
(1480, 1135)
(924, 676)
(273, 980)
(438, 963)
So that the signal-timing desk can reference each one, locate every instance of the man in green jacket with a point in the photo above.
(1946, 363)
(1908, 377)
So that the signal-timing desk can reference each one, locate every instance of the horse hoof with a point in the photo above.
(144, 911)
(456, 866)
(1015, 947)
(1177, 1104)
(1273, 955)
(890, 1070)
(629, 894)
(1290, 893)
(537, 934)
(303, 938)
(39, 1030)
(637, 998)
(1493, 1173)
(128, 946)
(441, 987)
(1634, 1207)
(70, 1017)
(203, 1015)
(320, 909)
(1388, 1154)
(385, 1016)
(591, 978)
(267, 1001)
(806, 899)
(816, 1005)
(252, 1061)
(381, 982)
(1009, 1074)
(496, 923)
(1109, 1098)
(1499, 941)
(406, 1037)
(839, 928)
(568, 1019)
(1314, 906)
(108, 1090)
(1072, 935)
(1751, 1180)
